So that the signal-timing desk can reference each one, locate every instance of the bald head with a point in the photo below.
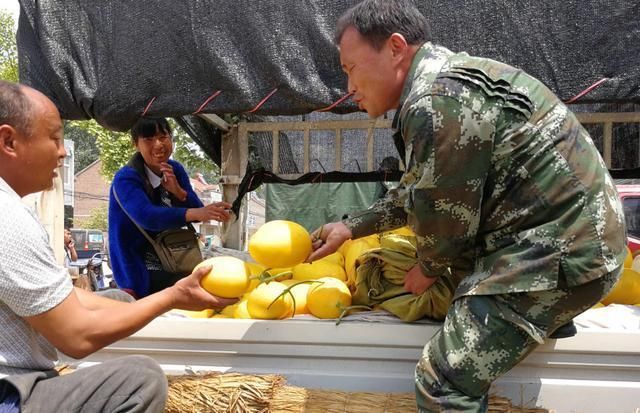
(31, 139)
(15, 106)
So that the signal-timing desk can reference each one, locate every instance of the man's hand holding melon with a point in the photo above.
(188, 293)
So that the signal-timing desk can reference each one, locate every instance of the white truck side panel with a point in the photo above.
(595, 369)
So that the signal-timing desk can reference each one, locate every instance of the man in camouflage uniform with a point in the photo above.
(503, 187)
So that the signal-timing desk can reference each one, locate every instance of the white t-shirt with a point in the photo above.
(31, 283)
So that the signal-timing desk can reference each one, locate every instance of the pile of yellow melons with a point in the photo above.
(280, 284)
(627, 289)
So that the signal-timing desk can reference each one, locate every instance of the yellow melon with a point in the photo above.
(279, 244)
(228, 277)
(405, 231)
(285, 273)
(263, 302)
(336, 258)
(299, 292)
(353, 250)
(196, 314)
(628, 260)
(255, 270)
(318, 269)
(328, 298)
(626, 290)
(241, 310)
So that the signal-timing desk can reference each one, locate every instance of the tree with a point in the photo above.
(86, 150)
(116, 149)
(8, 48)
(189, 154)
(97, 220)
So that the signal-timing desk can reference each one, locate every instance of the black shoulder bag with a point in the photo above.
(178, 249)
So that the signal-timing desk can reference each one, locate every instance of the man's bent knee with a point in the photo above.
(150, 382)
(434, 393)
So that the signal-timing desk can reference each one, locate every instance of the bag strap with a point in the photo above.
(146, 235)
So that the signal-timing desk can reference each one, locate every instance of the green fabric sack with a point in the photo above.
(380, 282)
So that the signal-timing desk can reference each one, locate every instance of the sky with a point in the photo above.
(11, 6)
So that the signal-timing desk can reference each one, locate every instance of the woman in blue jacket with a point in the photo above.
(157, 194)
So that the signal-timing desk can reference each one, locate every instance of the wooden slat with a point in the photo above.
(338, 149)
(606, 119)
(607, 143)
(370, 148)
(234, 147)
(620, 117)
(307, 147)
(318, 125)
(276, 149)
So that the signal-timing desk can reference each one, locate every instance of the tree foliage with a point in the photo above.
(97, 219)
(116, 149)
(85, 148)
(189, 154)
(8, 48)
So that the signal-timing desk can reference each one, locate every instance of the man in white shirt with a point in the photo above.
(40, 311)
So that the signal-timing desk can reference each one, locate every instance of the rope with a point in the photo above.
(144, 112)
(263, 101)
(587, 90)
(339, 101)
(206, 102)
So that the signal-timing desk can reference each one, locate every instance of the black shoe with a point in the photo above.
(566, 330)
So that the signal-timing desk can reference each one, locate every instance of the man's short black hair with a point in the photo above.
(148, 127)
(15, 107)
(376, 20)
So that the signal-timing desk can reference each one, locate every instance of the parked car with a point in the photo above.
(630, 196)
(88, 242)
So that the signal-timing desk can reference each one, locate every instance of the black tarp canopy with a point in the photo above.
(108, 60)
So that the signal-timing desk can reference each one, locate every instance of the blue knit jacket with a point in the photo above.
(127, 245)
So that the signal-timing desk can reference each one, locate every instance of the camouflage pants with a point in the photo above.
(485, 336)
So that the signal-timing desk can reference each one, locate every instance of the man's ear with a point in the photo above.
(398, 46)
(8, 135)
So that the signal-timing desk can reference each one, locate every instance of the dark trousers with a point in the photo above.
(127, 384)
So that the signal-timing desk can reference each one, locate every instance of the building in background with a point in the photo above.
(68, 181)
(91, 192)
(68, 171)
(255, 214)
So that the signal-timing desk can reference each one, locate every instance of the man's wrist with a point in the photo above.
(169, 297)
(429, 271)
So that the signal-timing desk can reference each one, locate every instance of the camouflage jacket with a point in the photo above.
(503, 186)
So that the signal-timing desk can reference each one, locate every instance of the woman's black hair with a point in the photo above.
(148, 127)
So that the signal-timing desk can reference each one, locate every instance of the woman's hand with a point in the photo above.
(170, 182)
(217, 211)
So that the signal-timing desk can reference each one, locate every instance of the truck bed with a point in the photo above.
(597, 370)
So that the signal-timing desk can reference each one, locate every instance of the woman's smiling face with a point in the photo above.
(155, 149)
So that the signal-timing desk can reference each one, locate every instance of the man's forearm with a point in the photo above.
(92, 301)
(111, 320)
